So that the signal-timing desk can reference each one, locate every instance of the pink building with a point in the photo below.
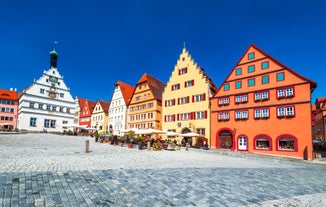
(8, 110)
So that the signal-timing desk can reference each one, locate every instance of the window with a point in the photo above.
(42, 91)
(280, 76)
(46, 123)
(263, 142)
(289, 92)
(238, 84)
(241, 115)
(138, 98)
(257, 113)
(150, 105)
(280, 93)
(175, 87)
(54, 108)
(189, 83)
(264, 95)
(201, 131)
(226, 87)
(31, 104)
(251, 82)
(183, 100)
(182, 71)
(52, 123)
(287, 143)
(185, 116)
(251, 68)
(285, 92)
(199, 97)
(265, 79)
(170, 102)
(222, 116)
(201, 115)
(238, 71)
(62, 95)
(265, 65)
(265, 113)
(251, 56)
(241, 98)
(223, 101)
(40, 106)
(32, 122)
(286, 111)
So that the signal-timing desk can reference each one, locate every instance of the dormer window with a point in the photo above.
(182, 71)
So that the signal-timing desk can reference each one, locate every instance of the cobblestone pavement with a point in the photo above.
(53, 170)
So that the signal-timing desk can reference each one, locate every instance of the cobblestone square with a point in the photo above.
(55, 170)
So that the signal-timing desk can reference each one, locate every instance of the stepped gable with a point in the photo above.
(126, 90)
(83, 101)
(8, 95)
(156, 86)
(261, 55)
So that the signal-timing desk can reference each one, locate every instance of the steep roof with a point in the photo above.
(83, 101)
(126, 90)
(8, 95)
(156, 86)
(105, 105)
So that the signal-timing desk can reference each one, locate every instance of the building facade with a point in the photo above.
(320, 121)
(100, 116)
(145, 108)
(263, 107)
(8, 109)
(186, 98)
(119, 106)
(46, 105)
(86, 108)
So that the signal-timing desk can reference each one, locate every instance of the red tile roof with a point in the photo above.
(126, 90)
(156, 86)
(8, 95)
(85, 102)
(105, 105)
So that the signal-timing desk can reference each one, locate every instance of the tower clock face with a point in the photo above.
(52, 95)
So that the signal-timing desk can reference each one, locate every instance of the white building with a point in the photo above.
(121, 98)
(46, 105)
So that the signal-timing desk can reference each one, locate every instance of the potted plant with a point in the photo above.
(97, 135)
(121, 141)
(110, 137)
(157, 146)
(140, 140)
(130, 137)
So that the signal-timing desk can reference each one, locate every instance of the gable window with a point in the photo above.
(238, 84)
(251, 56)
(226, 87)
(138, 98)
(46, 123)
(251, 82)
(222, 116)
(251, 68)
(40, 106)
(62, 95)
(31, 104)
(175, 87)
(265, 65)
(238, 71)
(265, 79)
(223, 101)
(263, 142)
(189, 83)
(286, 143)
(182, 71)
(241, 98)
(42, 91)
(280, 76)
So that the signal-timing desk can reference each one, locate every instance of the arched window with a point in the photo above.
(263, 142)
(286, 143)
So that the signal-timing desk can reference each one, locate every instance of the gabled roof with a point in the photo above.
(313, 84)
(105, 105)
(126, 90)
(83, 101)
(155, 85)
(8, 95)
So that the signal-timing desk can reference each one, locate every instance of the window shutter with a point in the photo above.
(193, 98)
(186, 70)
(186, 84)
(205, 114)
(178, 117)
(172, 88)
(178, 101)
(179, 72)
(187, 99)
(173, 101)
(165, 118)
(173, 117)
(192, 82)
(204, 96)
(193, 115)
(166, 103)
(179, 86)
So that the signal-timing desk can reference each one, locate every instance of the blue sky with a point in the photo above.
(103, 41)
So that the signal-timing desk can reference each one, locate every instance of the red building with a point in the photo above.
(263, 107)
(86, 108)
(8, 110)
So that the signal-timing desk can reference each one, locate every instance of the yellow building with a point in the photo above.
(145, 108)
(100, 116)
(186, 98)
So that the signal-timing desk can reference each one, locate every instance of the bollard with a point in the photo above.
(149, 145)
(86, 146)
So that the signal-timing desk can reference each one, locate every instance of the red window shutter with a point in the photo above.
(172, 88)
(193, 98)
(173, 117)
(165, 118)
(179, 72)
(166, 103)
(186, 84)
(178, 101)
(173, 101)
(192, 82)
(205, 114)
(193, 115)
(178, 117)
(179, 86)
(186, 70)
(187, 99)
(204, 96)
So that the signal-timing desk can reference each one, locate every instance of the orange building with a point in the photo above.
(8, 109)
(320, 121)
(263, 107)
(145, 108)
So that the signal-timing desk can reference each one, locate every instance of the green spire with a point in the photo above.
(53, 56)
(53, 52)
